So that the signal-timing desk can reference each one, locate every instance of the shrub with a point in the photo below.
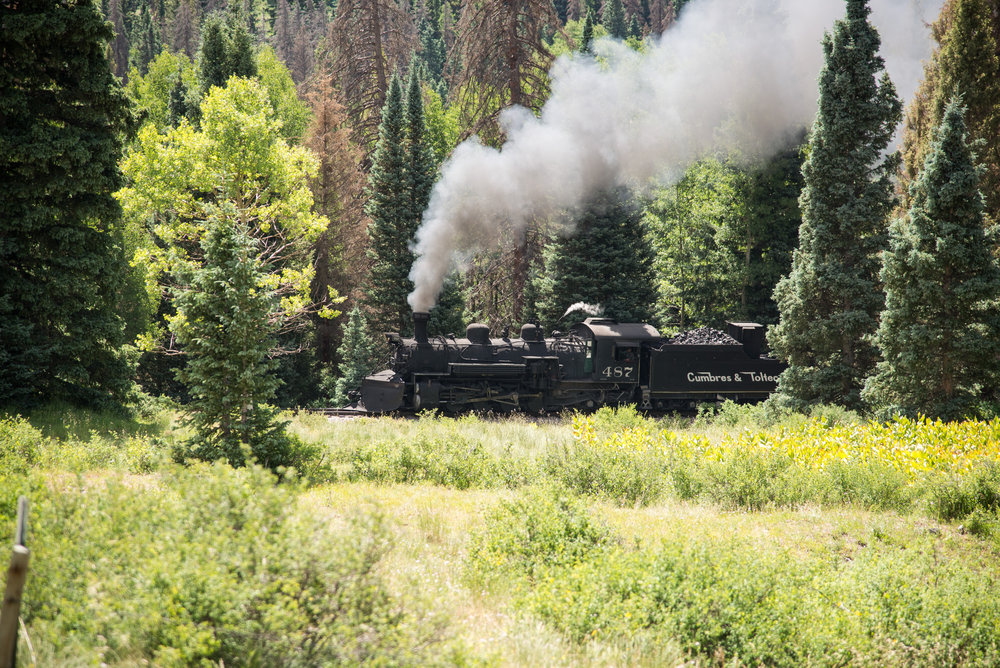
(542, 528)
(19, 444)
(211, 565)
(625, 468)
(453, 462)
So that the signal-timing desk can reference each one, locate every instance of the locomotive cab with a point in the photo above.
(613, 349)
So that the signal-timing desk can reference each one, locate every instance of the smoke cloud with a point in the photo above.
(735, 75)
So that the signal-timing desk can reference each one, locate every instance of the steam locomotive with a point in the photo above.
(598, 362)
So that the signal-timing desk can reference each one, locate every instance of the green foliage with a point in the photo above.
(451, 462)
(213, 566)
(969, 495)
(226, 51)
(358, 357)
(224, 323)
(727, 601)
(613, 19)
(938, 332)
(154, 91)
(399, 185)
(288, 108)
(62, 256)
(541, 529)
(685, 219)
(256, 177)
(607, 260)
(830, 300)
(390, 233)
(966, 63)
(19, 445)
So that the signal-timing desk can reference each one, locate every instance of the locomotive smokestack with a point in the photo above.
(420, 326)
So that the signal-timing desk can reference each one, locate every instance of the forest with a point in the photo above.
(212, 210)
(307, 153)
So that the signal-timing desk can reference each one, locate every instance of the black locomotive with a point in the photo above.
(599, 362)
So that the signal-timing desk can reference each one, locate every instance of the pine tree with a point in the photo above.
(433, 54)
(420, 165)
(967, 60)
(829, 302)
(504, 61)
(226, 51)
(447, 316)
(224, 324)
(938, 332)
(119, 45)
(634, 31)
(606, 261)
(613, 19)
(185, 30)
(562, 8)
(358, 355)
(63, 116)
(145, 42)
(588, 34)
(389, 207)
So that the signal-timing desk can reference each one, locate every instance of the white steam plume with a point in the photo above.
(731, 74)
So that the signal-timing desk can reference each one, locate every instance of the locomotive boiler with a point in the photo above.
(598, 362)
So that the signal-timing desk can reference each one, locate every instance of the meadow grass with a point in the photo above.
(730, 538)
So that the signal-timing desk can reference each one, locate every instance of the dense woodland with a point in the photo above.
(197, 193)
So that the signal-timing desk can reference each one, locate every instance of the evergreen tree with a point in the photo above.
(938, 332)
(420, 164)
(448, 315)
(634, 31)
(224, 323)
(967, 60)
(226, 51)
(588, 34)
(145, 41)
(358, 357)
(184, 29)
(829, 302)
(212, 55)
(613, 19)
(179, 107)
(389, 207)
(607, 261)
(759, 234)
(399, 188)
(62, 120)
(562, 8)
(119, 45)
(433, 54)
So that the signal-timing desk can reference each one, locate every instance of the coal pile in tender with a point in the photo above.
(704, 336)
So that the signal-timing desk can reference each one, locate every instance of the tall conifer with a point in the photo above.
(606, 261)
(829, 302)
(62, 118)
(390, 206)
(613, 19)
(938, 332)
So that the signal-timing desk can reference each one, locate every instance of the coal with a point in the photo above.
(704, 336)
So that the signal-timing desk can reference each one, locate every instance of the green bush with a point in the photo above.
(727, 601)
(542, 528)
(452, 462)
(624, 476)
(959, 497)
(19, 444)
(210, 565)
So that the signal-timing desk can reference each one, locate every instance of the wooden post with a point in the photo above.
(16, 574)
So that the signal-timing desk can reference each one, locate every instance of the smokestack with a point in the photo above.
(420, 326)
